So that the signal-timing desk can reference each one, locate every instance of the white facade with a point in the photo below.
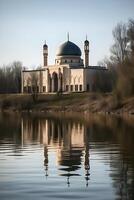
(69, 74)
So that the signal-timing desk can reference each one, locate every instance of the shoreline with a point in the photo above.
(101, 103)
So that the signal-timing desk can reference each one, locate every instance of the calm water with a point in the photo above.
(66, 157)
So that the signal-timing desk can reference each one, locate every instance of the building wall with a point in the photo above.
(63, 78)
(75, 80)
(71, 60)
(33, 80)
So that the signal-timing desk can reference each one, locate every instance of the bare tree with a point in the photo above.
(16, 67)
(34, 86)
(130, 34)
(124, 58)
(10, 77)
(119, 48)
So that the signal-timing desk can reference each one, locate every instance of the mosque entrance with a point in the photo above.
(60, 82)
(54, 82)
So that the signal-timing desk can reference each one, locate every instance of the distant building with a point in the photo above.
(68, 74)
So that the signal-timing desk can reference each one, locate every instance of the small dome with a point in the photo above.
(86, 42)
(68, 49)
(45, 45)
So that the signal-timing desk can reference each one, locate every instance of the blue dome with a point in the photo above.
(68, 49)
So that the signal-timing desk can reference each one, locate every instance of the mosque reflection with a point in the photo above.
(68, 139)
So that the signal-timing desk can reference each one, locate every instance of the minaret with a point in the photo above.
(87, 162)
(45, 54)
(46, 160)
(86, 49)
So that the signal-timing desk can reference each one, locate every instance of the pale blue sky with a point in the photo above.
(26, 24)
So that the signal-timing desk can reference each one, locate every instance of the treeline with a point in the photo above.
(10, 78)
(121, 60)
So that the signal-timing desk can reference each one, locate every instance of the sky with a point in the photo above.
(26, 24)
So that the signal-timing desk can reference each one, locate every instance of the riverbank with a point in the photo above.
(74, 102)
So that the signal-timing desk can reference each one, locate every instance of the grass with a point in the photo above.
(86, 102)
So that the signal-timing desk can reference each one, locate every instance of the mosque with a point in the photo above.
(70, 73)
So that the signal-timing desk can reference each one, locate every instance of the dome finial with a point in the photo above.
(86, 36)
(68, 36)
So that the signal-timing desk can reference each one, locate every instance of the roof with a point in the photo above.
(68, 49)
(96, 67)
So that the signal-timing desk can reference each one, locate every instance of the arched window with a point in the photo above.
(67, 88)
(76, 88)
(80, 87)
(71, 88)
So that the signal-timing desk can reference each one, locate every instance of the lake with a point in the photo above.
(66, 157)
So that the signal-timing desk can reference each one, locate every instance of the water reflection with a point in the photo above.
(96, 151)
(69, 139)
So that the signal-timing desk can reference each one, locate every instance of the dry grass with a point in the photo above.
(85, 102)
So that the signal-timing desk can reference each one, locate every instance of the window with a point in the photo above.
(71, 88)
(71, 61)
(76, 87)
(44, 88)
(67, 87)
(80, 87)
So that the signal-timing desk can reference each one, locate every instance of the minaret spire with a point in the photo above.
(68, 36)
